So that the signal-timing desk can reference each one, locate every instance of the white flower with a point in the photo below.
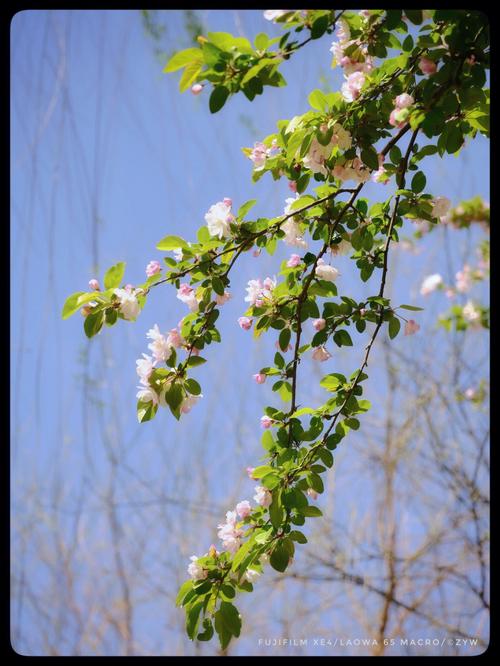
(326, 272)
(441, 206)
(144, 368)
(470, 312)
(258, 291)
(263, 496)
(293, 235)
(273, 14)
(351, 89)
(229, 533)
(189, 402)
(218, 218)
(317, 156)
(251, 575)
(341, 137)
(160, 346)
(430, 284)
(178, 253)
(147, 394)
(195, 570)
(129, 306)
(321, 354)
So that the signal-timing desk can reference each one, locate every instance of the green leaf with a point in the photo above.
(318, 100)
(189, 76)
(342, 338)
(173, 398)
(454, 140)
(218, 98)
(262, 470)
(172, 243)
(192, 618)
(183, 58)
(192, 386)
(279, 558)
(311, 511)
(284, 339)
(418, 182)
(183, 590)
(73, 303)
(114, 275)
(261, 41)
(243, 210)
(276, 511)
(208, 632)
(414, 15)
(394, 326)
(93, 323)
(195, 360)
(370, 157)
(410, 307)
(146, 411)
(218, 286)
(230, 617)
(297, 536)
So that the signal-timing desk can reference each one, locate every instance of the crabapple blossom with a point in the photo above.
(220, 299)
(379, 175)
(341, 137)
(259, 155)
(266, 421)
(94, 284)
(187, 295)
(229, 534)
(470, 312)
(351, 89)
(175, 339)
(189, 402)
(321, 354)
(294, 261)
(326, 272)
(218, 219)
(293, 235)
(319, 324)
(292, 185)
(431, 283)
(160, 346)
(470, 393)
(245, 323)
(463, 279)
(243, 509)
(153, 267)
(259, 378)
(427, 66)
(129, 305)
(411, 327)
(144, 368)
(258, 291)
(403, 101)
(441, 206)
(251, 575)
(249, 471)
(273, 14)
(196, 88)
(398, 118)
(312, 493)
(317, 156)
(195, 570)
(263, 496)
(147, 394)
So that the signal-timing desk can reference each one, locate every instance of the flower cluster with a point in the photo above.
(318, 154)
(129, 305)
(358, 60)
(260, 152)
(258, 291)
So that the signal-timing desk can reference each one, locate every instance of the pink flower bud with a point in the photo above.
(403, 101)
(294, 261)
(266, 422)
(228, 202)
(393, 120)
(411, 327)
(292, 184)
(362, 311)
(319, 324)
(259, 378)
(243, 509)
(312, 493)
(249, 471)
(427, 66)
(245, 323)
(256, 253)
(94, 284)
(129, 287)
(196, 89)
(153, 267)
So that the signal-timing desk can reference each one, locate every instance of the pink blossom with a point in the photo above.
(411, 327)
(187, 295)
(266, 422)
(245, 323)
(160, 346)
(312, 493)
(326, 272)
(189, 402)
(258, 291)
(431, 283)
(470, 393)
(441, 206)
(351, 89)
(195, 570)
(294, 261)
(259, 378)
(427, 66)
(321, 354)
(258, 155)
(223, 298)
(319, 324)
(249, 471)
(362, 312)
(229, 533)
(144, 368)
(228, 202)
(94, 284)
(129, 288)
(394, 121)
(219, 218)
(263, 496)
(449, 293)
(196, 88)
(153, 267)
(175, 339)
(292, 184)
(404, 101)
(147, 394)
(243, 509)
(256, 253)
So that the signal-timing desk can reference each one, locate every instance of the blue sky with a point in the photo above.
(107, 158)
